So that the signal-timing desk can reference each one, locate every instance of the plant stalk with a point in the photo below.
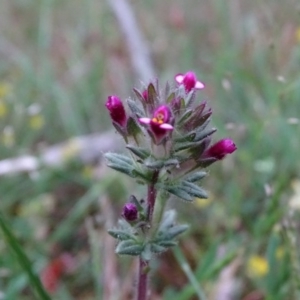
(143, 280)
(151, 196)
(143, 264)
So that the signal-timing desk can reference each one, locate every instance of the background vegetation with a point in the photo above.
(58, 62)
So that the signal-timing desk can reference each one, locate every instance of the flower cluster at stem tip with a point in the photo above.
(167, 131)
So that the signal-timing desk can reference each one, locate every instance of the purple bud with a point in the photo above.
(189, 80)
(130, 212)
(116, 110)
(220, 149)
(145, 95)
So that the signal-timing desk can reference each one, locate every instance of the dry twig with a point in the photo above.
(87, 149)
(136, 44)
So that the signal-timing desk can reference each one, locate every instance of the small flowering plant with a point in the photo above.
(168, 137)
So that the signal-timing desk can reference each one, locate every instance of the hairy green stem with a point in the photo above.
(158, 213)
(151, 196)
(144, 265)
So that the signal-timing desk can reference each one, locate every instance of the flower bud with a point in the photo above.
(189, 81)
(220, 149)
(130, 212)
(145, 95)
(116, 110)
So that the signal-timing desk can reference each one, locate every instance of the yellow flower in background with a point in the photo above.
(70, 150)
(36, 122)
(87, 172)
(8, 137)
(3, 109)
(294, 202)
(5, 89)
(202, 203)
(297, 34)
(257, 266)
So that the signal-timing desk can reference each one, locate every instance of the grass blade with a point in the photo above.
(23, 260)
(189, 273)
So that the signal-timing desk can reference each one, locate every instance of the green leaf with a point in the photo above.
(121, 234)
(168, 219)
(139, 96)
(188, 145)
(117, 158)
(157, 248)
(205, 162)
(174, 231)
(129, 247)
(154, 164)
(197, 113)
(167, 90)
(184, 117)
(138, 151)
(159, 164)
(124, 225)
(144, 175)
(170, 98)
(187, 138)
(128, 170)
(133, 128)
(204, 134)
(136, 110)
(169, 233)
(121, 163)
(152, 95)
(189, 100)
(194, 190)
(171, 162)
(119, 128)
(196, 176)
(168, 244)
(203, 126)
(180, 193)
(23, 260)
(200, 121)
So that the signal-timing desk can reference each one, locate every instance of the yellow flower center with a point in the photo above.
(159, 118)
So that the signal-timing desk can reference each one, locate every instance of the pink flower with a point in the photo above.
(159, 123)
(116, 110)
(52, 274)
(189, 80)
(220, 149)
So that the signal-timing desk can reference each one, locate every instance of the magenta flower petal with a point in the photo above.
(166, 126)
(116, 110)
(199, 85)
(189, 80)
(220, 149)
(145, 120)
(179, 78)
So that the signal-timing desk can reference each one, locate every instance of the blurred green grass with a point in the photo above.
(58, 62)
